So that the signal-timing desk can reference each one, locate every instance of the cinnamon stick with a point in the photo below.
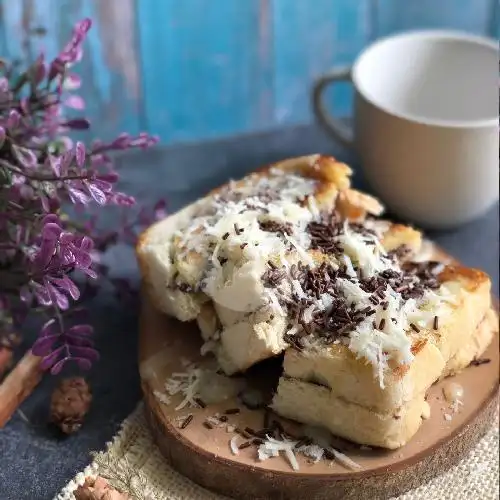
(18, 385)
(7, 344)
(5, 359)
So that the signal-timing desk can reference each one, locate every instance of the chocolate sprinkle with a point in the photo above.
(200, 403)
(323, 235)
(243, 433)
(436, 323)
(414, 327)
(225, 236)
(480, 361)
(272, 226)
(232, 411)
(187, 421)
(244, 445)
(208, 425)
(273, 277)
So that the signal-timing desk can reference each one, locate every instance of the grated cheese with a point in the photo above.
(344, 460)
(184, 383)
(312, 451)
(271, 447)
(233, 446)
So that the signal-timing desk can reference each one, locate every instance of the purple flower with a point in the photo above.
(74, 102)
(77, 196)
(13, 119)
(80, 154)
(41, 252)
(71, 82)
(57, 346)
(25, 157)
(123, 200)
(59, 253)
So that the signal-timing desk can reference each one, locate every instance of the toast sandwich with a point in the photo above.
(291, 258)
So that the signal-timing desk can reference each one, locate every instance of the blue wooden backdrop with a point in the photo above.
(194, 69)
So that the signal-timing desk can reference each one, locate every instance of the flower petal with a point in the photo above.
(25, 157)
(55, 164)
(78, 196)
(47, 327)
(66, 160)
(49, 360)
(51, 218)
(68, 286)
(84, 352)
(80, 154)
(90, 273)
(42, 294)
(81, 330)
(74, 102)
(86, 244)
(96, 193)
(51, 231)
(43, 345)
(58, 298)
(45, 254)
(57, 367)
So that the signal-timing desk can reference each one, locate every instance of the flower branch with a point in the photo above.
(47, 258)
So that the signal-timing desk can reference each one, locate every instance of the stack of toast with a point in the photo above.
(292, 259)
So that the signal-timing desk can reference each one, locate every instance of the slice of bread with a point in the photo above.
(390, 427)
(438, 352)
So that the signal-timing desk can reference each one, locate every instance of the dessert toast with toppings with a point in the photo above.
(291, 258)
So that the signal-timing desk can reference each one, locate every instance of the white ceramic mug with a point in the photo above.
(426, 123)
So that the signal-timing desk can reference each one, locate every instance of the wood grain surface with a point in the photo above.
(193, 69)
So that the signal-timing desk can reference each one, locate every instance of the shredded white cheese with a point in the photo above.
(234, 446)
(344, 460)
(271, 447)
(312, 451)
(185, 383)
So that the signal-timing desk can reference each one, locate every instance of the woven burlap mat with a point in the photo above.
(132, 463)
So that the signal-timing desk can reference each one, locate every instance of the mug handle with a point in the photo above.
(333, 126)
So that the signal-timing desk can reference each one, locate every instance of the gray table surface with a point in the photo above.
(35, 461)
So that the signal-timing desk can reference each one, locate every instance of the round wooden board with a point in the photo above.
(204, 455)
